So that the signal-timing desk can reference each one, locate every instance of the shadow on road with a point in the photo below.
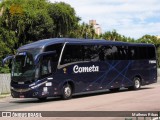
(108, 92)
(88, 94)
(35, 100)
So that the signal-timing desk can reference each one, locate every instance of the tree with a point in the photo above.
(28, 18)
(7, 46)
(83, 31)
(64, 17)
(114, 36)
(149, 39)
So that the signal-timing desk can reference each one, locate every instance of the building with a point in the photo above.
(96, 27)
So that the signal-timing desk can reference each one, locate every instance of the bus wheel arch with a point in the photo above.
(137, 82)
(67, 91)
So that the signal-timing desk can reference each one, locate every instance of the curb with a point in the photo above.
(158, 72)
(4, 95)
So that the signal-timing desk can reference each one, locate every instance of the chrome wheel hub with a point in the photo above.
(137, 83)
(67, 91)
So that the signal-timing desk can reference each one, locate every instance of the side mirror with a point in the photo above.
(5, 60)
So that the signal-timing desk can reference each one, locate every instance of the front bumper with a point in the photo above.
(22, 93)
(36, 91)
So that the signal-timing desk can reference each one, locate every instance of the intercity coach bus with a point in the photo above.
(65, 66)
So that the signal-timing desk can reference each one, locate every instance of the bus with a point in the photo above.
(66, 66)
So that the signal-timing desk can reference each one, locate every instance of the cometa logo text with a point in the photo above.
(77, 69)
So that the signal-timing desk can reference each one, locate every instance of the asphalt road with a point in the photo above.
(145, 99)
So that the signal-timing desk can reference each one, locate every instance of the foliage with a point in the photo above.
(64, 17)
(7, 45)
(149, 39)
(114, 36)
(29, 19)
(83, 31)
(158, 55)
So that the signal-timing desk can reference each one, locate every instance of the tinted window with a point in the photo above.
(141, 53)
(48, 65)
(72, 53)
(53, 47)
(91, 53)
(114, 52)
(122, 52)
(75, 53)
(151, 52)
(133, 53)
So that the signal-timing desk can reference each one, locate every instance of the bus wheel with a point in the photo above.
(42, 99)
(67, 92)
(114, 89)
(137, 84)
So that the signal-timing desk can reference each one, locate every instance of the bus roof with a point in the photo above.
(46, 42)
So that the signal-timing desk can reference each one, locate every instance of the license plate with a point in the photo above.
(21, 96)
(21, 83)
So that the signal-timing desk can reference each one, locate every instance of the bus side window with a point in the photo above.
(131, 53)
(151, 53)
(101, 53)
(105, 53)
(91, 53)
(48, 66)
(72, 53)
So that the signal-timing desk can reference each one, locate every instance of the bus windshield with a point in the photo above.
(23, 68)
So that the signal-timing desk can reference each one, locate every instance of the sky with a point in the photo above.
(132, 18)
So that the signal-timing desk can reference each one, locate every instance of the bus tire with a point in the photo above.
(137, 84)
(114, 89)
(67, 92)
(42, 98)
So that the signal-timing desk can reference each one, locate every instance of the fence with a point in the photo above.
(5, 83)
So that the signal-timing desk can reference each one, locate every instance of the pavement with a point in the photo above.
(145, 99)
